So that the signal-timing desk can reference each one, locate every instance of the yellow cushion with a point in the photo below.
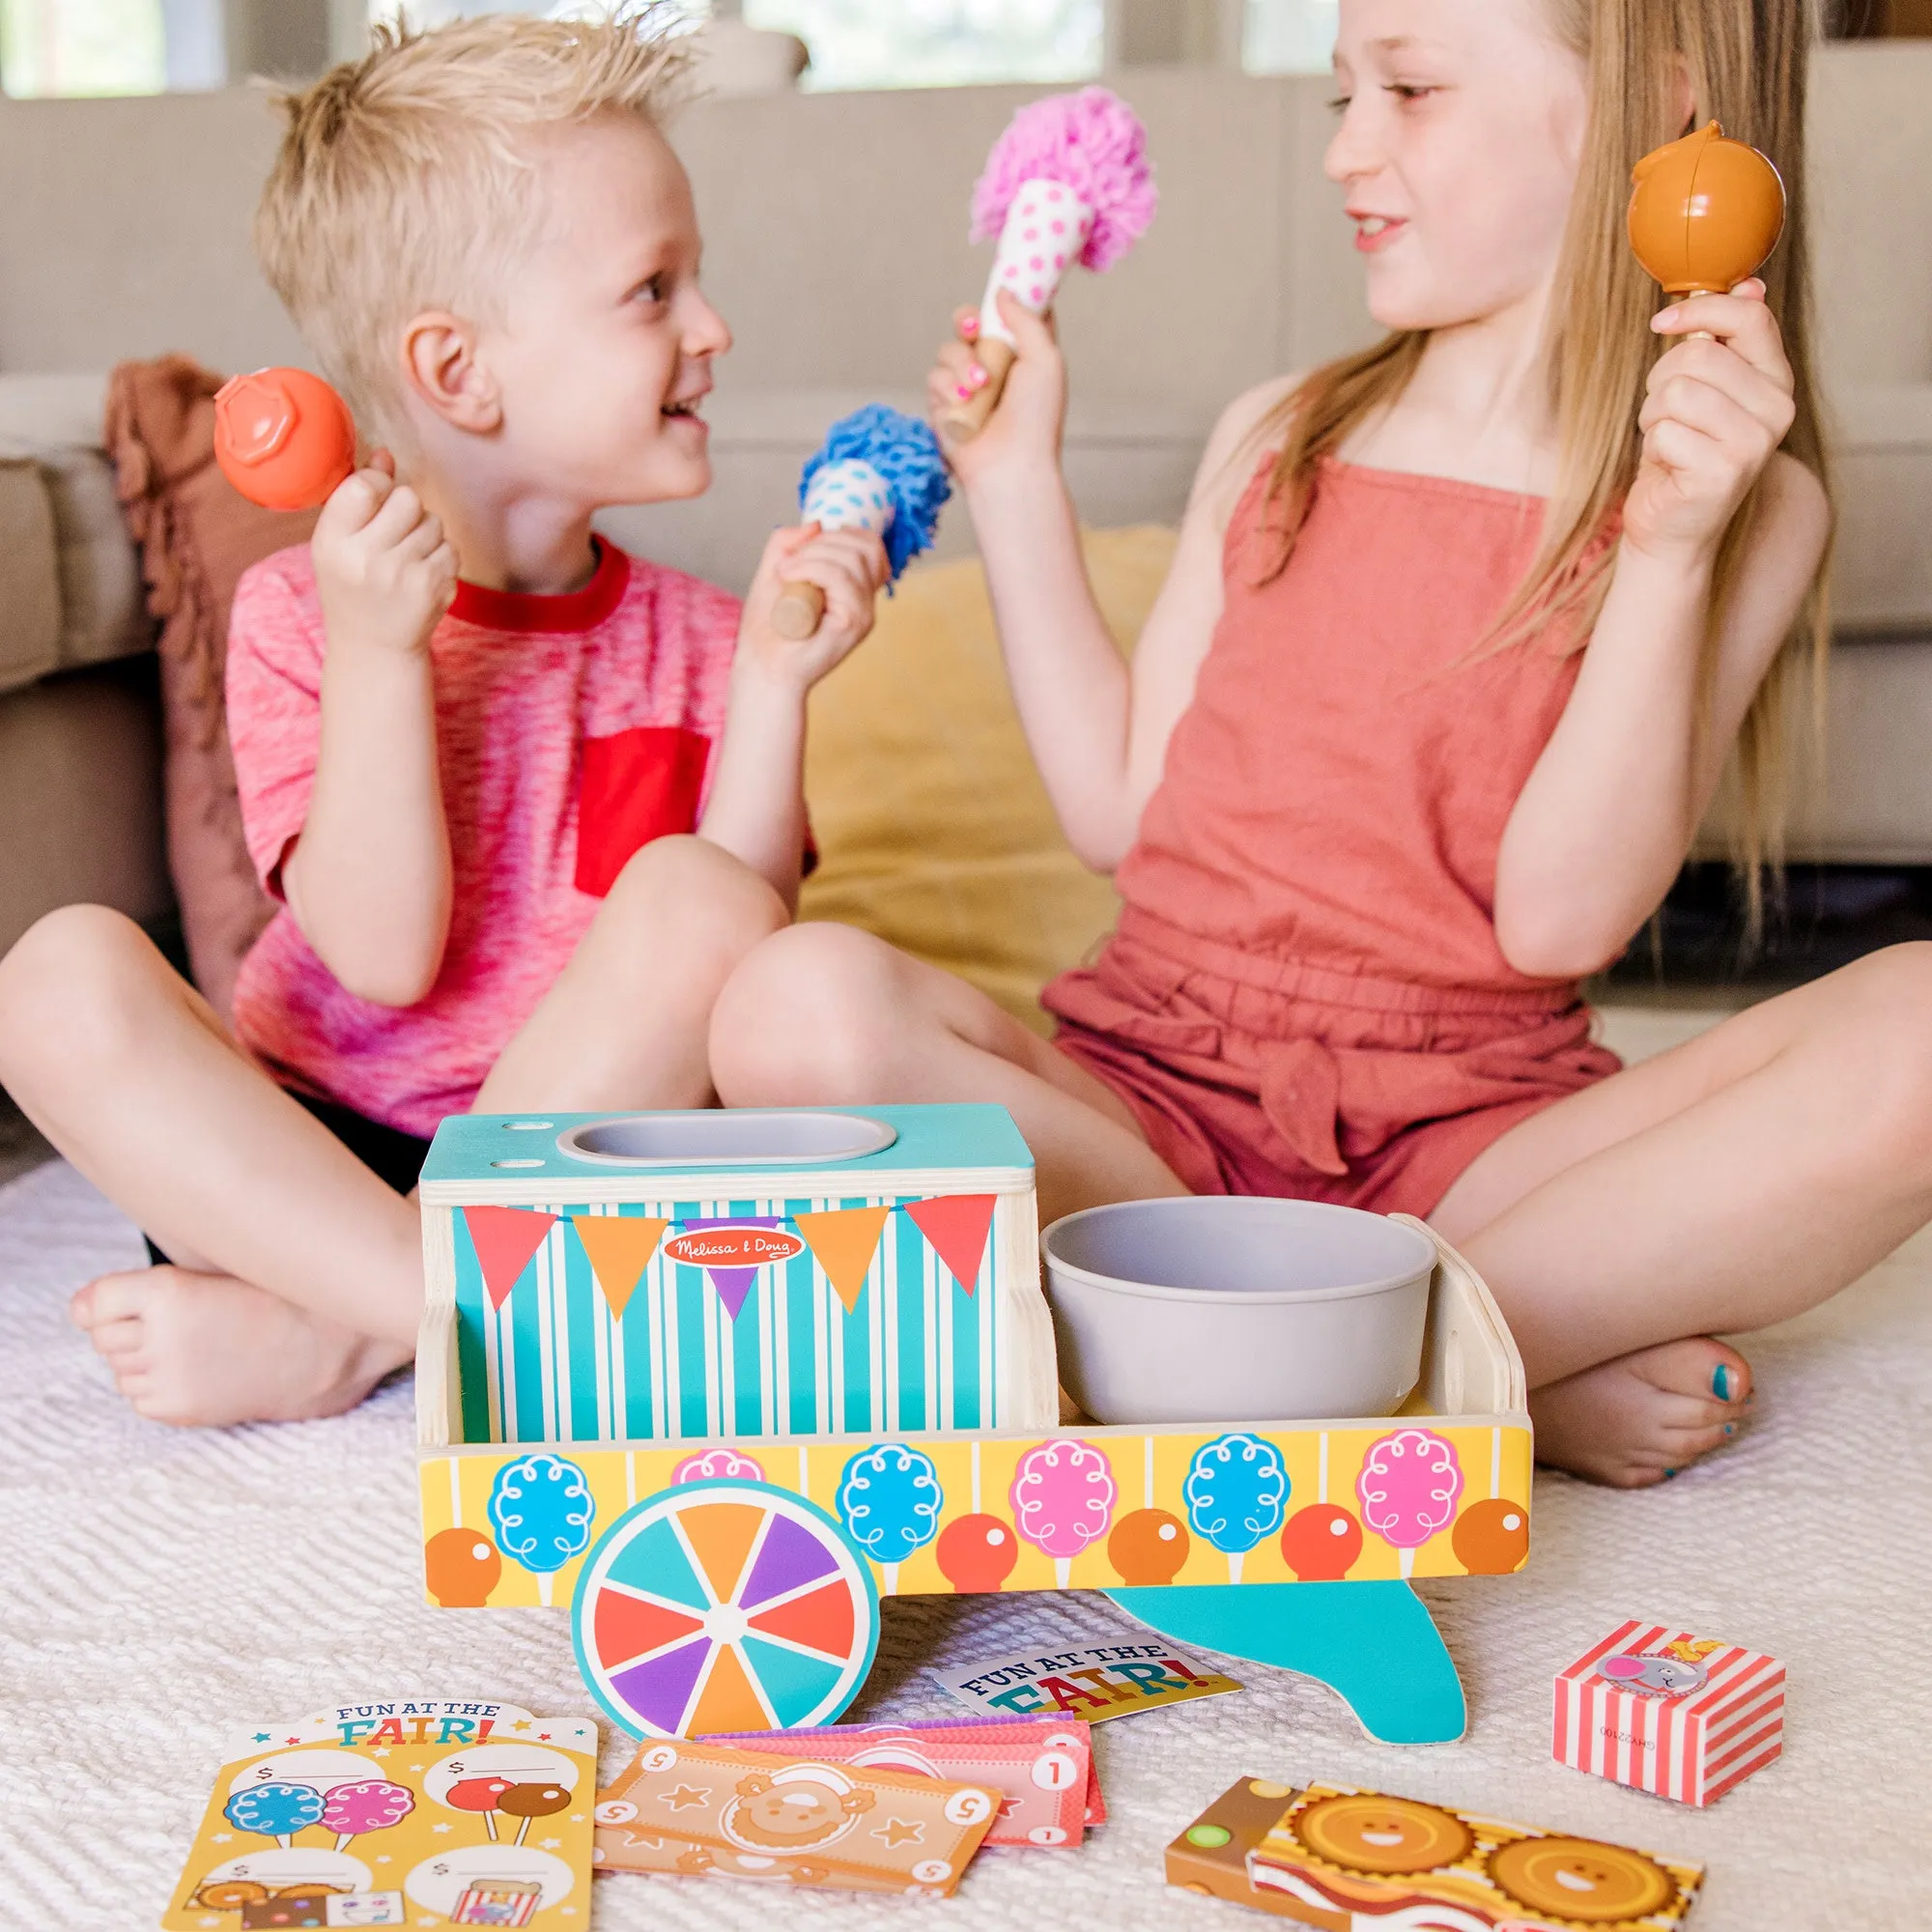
(933, 828)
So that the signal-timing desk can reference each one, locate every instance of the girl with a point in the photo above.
(1458, 637)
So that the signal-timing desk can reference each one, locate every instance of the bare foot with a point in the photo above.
(210, 1349)
(1633, 1421)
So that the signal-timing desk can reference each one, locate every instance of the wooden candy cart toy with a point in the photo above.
(720, 1381)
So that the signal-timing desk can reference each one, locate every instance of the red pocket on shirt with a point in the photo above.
(638, 785)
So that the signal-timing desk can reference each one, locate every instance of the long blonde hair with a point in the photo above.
(1745, 61)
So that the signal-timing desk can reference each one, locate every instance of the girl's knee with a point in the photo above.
(809, 1015)
(1883, 1044)
(68, 976)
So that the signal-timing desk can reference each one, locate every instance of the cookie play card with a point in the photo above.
(811, 1820)
(1338, 1858)
(1096, 1681)
(400, 1811)
(1043, 1768)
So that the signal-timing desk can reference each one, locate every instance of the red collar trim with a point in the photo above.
(530, 611)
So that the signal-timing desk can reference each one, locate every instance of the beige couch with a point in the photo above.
(836, 244)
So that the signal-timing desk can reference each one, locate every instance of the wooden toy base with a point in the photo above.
(1373, 1644)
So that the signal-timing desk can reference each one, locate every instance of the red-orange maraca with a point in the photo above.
(283, 438)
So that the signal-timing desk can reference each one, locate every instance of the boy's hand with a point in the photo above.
(384, 569)
(1715, 413)
(1025, 427)
(849, 566)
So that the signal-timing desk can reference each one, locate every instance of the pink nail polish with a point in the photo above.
(977, 376)
(962, 393)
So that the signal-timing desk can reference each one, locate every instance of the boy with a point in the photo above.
(474, 798)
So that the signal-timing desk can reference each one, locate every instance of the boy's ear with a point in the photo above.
(441, 367)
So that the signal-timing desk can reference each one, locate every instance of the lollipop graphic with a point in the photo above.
(881, 470)
(1062, 1499)
(371, 1804)
(481, 1795)
(1237, 1492)
(977, 1552)
(889, 1502)
(532, 1801)
(277, 1812)
(541, 1508)
(1407, 1489)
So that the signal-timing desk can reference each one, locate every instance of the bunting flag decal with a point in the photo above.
(620, 1247)
(843, 1241)
(504, 1239)
(733, 1285)
(956, 1225)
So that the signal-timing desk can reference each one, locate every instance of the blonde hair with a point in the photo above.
(404, 180)
(1745, 61)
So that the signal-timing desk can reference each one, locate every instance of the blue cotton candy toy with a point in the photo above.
(879, 470)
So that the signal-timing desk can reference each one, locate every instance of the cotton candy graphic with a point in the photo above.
(1068, 181)
(878, 469)
(1409, 1481)
(541, 1509)
(1062, 1499)
(277, 1812)
(888, 1500)
(369, 1804)
(710, 1464)
(1237, 1493)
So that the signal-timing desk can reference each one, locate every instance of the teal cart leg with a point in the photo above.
(1373, 1644)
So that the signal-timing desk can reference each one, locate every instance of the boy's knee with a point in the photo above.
(708, 894)
(70, 988)
(807, 1016)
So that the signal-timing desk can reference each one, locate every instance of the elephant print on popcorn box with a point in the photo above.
(397, 1812)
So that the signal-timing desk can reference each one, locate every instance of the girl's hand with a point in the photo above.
(384, 569)
(1714, 414)
(849, 566)
(1025, 426)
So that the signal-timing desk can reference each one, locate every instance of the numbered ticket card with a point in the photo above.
(808, 1819)
(399, 1812)
(1096, 1682)
(1041, 1770)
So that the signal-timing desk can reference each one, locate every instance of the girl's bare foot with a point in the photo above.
(1633, 1421)
(207, 1349)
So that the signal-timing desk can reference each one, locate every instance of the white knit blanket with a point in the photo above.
(159, 1587)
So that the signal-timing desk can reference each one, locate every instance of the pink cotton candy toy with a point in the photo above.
(1068, 181)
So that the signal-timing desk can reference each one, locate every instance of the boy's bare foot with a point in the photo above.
(1633, 1421)
(210, 1349)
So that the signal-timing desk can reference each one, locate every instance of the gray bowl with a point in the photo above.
(1220, 1308)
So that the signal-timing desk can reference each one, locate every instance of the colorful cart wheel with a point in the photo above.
(728, 1606)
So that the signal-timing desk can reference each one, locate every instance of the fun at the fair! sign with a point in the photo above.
(1093, 1682)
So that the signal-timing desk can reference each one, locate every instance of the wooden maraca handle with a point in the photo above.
(798, 611)
(965, 421)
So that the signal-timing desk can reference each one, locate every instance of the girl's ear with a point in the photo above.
(445, 374)
(1683, 94)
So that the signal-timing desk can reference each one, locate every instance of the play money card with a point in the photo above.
(1096, 1682)
(1043, 1768)
(808, 1819)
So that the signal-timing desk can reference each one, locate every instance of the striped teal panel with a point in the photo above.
(554, 1364)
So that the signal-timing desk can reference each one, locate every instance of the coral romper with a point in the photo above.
(1305, 995)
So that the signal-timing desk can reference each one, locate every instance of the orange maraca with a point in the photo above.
(1704, 213)
(283, 438)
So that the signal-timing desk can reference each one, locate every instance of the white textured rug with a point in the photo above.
(159, 1587)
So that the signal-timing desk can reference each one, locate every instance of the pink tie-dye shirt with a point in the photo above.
(570, 732)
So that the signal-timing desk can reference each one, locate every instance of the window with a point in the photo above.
(939, 43)
(82, 46)
(1288, 37)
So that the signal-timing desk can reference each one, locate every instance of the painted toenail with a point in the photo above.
(1730, 1429)
(1668, 1473)
(1721, 1381)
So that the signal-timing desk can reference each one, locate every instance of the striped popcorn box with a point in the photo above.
(1662, 1711)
